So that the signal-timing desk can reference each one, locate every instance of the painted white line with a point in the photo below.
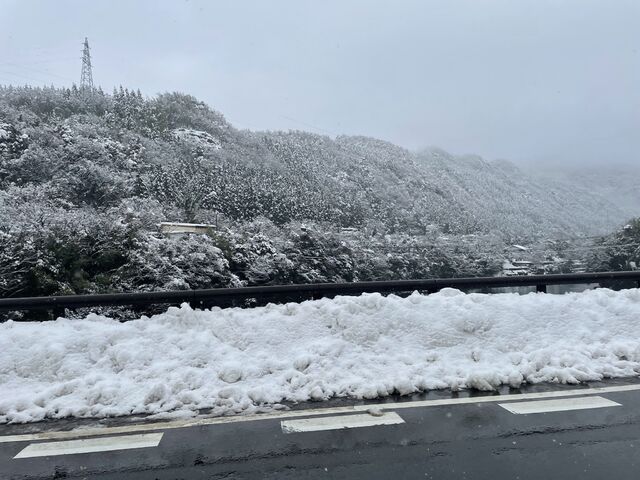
(89, 445)
(201, 421)
(558, 405)
(576, 392)
(337, 423)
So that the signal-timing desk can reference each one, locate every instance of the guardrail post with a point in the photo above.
(541, 288)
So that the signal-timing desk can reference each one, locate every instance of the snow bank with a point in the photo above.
(234, 360)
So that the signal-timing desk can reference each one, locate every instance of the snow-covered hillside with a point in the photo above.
(235, 360)
(84, 182)
(185, 154)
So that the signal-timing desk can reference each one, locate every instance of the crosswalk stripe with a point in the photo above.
(89, 445)
(317, 424)
(558, 405)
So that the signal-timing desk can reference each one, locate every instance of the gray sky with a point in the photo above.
(527, 80)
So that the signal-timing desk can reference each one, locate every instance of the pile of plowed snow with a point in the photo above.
(236, 360)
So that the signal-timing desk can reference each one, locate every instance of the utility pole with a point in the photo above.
(86, 80)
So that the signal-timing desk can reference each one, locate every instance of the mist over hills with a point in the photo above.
(520, 203)
(620, 184)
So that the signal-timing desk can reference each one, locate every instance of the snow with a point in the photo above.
(5, 131)
(197, 137)
(240, 360)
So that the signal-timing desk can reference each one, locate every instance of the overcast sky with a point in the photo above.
(530, 81)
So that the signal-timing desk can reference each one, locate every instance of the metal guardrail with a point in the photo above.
(275, 293)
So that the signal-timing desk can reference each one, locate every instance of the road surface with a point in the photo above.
(545, 431)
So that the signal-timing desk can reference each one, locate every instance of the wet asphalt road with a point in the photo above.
(473, 440)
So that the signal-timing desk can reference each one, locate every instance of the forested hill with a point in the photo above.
(105, 168)
(99, 150)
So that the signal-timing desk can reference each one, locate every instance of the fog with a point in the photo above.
(535, 82)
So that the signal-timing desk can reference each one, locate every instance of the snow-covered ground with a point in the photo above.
(234, 360)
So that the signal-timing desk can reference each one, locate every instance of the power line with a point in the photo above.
(23, 77)
(38, 71)
(308, 125)
(530, 252)
(40, 62)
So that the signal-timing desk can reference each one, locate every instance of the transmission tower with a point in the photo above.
(86, 80)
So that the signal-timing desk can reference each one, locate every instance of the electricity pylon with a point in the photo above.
(86, 80)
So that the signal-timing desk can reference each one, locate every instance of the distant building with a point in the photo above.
(516, 267)
(515, 262)
(349, 231)
(521, 263)
(578, 267)
(171, 228)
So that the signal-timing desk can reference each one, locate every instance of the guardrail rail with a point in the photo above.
(283, 293)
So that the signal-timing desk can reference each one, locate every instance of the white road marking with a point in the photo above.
(201, 421)
(337, 423)
(558, 405)
(89, 445)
